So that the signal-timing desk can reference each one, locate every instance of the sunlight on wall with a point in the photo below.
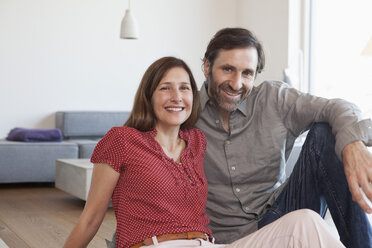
(341, 29)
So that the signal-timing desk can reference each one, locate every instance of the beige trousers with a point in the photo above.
(298, 229)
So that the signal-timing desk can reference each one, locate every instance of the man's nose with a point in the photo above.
(236, 82)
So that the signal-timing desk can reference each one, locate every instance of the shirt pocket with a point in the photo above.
(257, 158)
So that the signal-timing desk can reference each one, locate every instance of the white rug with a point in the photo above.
(2, 244)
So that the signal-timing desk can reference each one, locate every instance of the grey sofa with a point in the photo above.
(35, 162)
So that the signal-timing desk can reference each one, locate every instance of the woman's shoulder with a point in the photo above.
(124, 130)
(196, 138)
(125, 133)
(194, 133)
(196, 141)
(197, 133)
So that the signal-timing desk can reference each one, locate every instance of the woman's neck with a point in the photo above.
(167, 137)
(171, 143)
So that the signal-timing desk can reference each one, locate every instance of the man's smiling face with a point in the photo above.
(231, 76)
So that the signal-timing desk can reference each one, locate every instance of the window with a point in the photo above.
(339, 32)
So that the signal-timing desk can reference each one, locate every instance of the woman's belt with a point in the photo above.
(173, 236)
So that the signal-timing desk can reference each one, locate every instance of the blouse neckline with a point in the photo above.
(183, 135)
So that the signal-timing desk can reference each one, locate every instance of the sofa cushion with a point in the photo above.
(86, 146)
(76, 124)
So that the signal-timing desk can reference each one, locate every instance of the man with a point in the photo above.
(251, 131)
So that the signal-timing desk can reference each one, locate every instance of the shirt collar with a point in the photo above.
(204, 99)
(243, 106)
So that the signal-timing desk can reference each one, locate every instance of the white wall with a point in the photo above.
(269, 20)
(67, 55)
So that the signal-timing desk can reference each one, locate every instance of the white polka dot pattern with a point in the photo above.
(155, 195)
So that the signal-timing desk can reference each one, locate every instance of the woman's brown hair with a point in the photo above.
(142, 116)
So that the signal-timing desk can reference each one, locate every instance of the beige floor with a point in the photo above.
(43, 217)
(40, 216)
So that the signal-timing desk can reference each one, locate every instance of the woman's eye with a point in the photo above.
(185, 88)
(164, 88)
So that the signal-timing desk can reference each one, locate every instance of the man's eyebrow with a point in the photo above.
(227, 65)
(250, 70)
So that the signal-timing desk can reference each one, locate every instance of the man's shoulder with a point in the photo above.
(267, 88)
(268, 84)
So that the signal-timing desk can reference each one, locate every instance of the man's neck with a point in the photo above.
(225, 116)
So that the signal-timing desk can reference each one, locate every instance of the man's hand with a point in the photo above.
(357, 160)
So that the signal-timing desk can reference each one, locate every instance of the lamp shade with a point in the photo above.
(368, 49)
(129, 29)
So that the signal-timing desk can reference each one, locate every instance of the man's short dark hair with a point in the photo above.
(231, 38)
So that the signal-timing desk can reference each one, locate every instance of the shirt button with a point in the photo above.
(233, 167)
(217, 121)
(228, 142)
(246, 208)
(237, 190)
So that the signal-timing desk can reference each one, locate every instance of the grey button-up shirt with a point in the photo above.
(245, 168)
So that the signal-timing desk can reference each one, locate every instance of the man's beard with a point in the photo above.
(222, 102)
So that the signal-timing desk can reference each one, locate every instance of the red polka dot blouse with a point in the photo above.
(155, 195)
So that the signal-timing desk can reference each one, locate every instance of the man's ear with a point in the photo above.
(206, 68)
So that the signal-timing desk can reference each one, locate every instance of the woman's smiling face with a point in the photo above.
(173, 98)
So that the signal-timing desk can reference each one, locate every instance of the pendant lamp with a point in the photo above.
(368, 49)
(129, 29)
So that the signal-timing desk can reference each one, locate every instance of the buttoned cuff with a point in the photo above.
(361, 130)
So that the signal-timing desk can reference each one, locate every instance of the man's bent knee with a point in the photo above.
(321, 130)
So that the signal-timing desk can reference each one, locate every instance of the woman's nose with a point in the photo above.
(176, 96)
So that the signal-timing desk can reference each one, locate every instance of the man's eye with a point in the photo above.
(248, 74)
(228, 69)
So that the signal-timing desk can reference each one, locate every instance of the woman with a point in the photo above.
(153, 166)
(153, 169)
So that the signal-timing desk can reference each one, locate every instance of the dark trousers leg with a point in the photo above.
(318, 181)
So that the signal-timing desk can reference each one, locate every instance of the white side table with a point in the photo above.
(74, 176)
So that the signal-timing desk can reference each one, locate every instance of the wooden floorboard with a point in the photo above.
(10, 238)
(44, 217)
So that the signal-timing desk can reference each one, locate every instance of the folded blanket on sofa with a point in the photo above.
(35, 135)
